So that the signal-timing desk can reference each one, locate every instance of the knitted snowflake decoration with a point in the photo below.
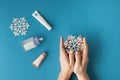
(19, 26)
(74, 44)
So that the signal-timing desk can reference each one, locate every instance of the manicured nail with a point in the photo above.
(85, 38)
(71, 52)
(60, 37)
(69, 37)
(77, 52)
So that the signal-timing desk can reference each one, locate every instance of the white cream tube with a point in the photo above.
(37, 16)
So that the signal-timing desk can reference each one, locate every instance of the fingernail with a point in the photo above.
(85, 38)
(71, 52)
(77, 52)
(60, 37)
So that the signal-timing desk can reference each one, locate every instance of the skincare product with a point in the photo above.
(37, 16)
(39, 60)
(31, 43)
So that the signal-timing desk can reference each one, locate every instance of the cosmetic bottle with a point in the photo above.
(31, 43)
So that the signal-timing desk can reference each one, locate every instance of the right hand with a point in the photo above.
(81, 62)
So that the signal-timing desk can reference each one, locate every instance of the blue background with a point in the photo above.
(98, 20)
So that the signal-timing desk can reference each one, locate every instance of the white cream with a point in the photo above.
(37, 16)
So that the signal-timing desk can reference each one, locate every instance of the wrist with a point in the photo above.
(82, 76)
(64, 75)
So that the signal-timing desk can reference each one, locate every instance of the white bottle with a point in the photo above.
(31, 43)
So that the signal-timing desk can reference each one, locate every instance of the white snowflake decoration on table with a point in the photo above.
(19, 26)
(74, 44)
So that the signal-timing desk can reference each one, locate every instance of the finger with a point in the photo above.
(62, 48)
(61, 43)
(85, 53)
(85, 50)
(69, 38)
(79, 37)
(85, 44)
(78, 58)
(71, 57)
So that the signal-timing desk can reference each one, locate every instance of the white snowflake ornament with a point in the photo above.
(74, 44)
(19, 26)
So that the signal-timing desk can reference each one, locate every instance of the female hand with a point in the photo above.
(66, 62)
(81, 62)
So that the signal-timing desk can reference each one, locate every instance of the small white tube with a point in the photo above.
(39, 60)
(37, 16)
